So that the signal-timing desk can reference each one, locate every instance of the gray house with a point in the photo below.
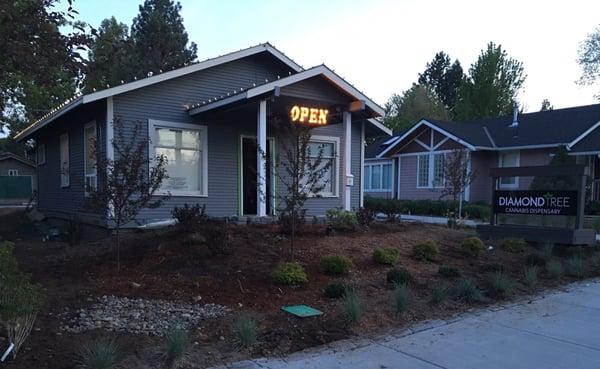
(208, 118)
(410, 164)
(17, 178)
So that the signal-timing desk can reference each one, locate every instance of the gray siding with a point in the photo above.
(10, 163)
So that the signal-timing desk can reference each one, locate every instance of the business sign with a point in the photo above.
(304, 114)
(536, 202)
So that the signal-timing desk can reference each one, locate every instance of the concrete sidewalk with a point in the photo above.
(558, 330)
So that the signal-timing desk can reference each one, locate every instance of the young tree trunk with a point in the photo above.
(118, 249)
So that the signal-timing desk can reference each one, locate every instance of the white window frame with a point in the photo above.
(13, 172)
(429, 170)
(93, 177)
(336, 172)
(500, 165)
(41, 149)
(368, 179)
(203, 130)
(64, 175)
(432, 166)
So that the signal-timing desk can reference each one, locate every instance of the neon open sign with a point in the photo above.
(308, 115)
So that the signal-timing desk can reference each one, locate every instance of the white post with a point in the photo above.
(261, 151)
(362, 164)
(110, 133)
(348, 178)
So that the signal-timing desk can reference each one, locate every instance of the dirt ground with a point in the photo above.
(165, 267)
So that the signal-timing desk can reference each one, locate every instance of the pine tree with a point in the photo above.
(159, 37)
(444, 78)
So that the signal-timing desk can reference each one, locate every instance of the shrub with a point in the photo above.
(246, 331)
(335, 290)
(392, 207)
(531, 275)
(402, 298)
(399, 276)
(475, 211)
(448, 271)
(576, 266)
(546, 249)
(352, 307)
(341, 220)
(175, 345)
(502, 284)
(467, 290)
(554, 269)
(335, 264)
(189, 217)
(426, 251)
(439, 293)
(289, 274)
(473, 246)
(365, 216)
(592, 208)
(513, 245)
(535, 260)
(100, 354)
(387, 256)
(218, 236)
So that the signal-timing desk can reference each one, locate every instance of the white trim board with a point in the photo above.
(335, 140)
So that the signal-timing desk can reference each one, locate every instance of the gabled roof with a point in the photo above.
(151, 79)
(9, 155)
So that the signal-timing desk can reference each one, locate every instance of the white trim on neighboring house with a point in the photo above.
(65, 180)
(92, 177)
(380, 126)
(336, 142)
(381, 163)
(361, 201)
(467, 194)
(512, 185)
(153, 124)
(583, 135)
(13, 172)
(41, 148)
(584, 153)
(110, 129)
(398, 177)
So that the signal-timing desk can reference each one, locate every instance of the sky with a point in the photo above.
(381, 46)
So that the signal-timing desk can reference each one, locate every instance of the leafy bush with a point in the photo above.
(189, 217)
(426, 251)
(448, 271)
(246, 331)
(289, 274)
(335, 264)
(175, 345)
(387, 256)
(467, 290)
(391, 207)
(535, 260)
(399, 276)
(365, 216)
(514, 245)
(576, 266)
(473, 246)
(476, 211)
(502, 284)
(335, 290)
(439, 293)
(531, 275)
(341, 220)
(554, 269)
(592, 208)
(352, 307)
(100, 354)
(402, 298)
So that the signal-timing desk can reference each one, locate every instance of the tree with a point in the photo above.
(457, 176)
(566, 183)
(110, 56)
(546, 105)
(589, 59)
(403, 111)
(159, 37)
(128, 183)
(444, 78)
(491, 88)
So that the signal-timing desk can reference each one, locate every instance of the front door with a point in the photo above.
(249, 186)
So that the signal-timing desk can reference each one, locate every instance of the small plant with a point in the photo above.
(246, 331)
(554, 269)
(473, 247)
(514, 245)
(399, 276)
(218, 236)
(448, 271)
(100, 354)
(341, 220)
(365, 216)
(387, 256)
(535, 260)
(335, 290)
(289, 274)
(426, 251)
(175, 345)
(595, 260)
(467, 290)
(336, 264)
(189, 217)
(402, 298)
(502, 284)
(546, 249)
(576, 266)
(439, 293)
(352, 307)
(531, 275)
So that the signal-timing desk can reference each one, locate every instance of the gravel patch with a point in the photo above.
(138, 316)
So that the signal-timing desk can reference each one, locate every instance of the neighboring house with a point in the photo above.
(206, 117)
(17, 177)
(410, 164)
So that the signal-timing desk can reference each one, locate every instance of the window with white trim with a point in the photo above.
(423, 171)
(13, 172)
(509, 159)
(184, 146)
(439, 161)
(41, 154)
(378, 177)
(89, 157)
(64, 160)
(328, 151)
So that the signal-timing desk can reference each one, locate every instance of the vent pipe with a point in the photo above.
(515, 122)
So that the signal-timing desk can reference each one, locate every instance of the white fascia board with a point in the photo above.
(380, 126)
(583, 135)
(191, 69)
(44, 121)
(414, 128)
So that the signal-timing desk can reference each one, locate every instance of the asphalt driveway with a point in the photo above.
(557, 330)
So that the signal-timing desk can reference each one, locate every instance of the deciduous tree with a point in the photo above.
(403, 111)
(457, 177)
(589, 59)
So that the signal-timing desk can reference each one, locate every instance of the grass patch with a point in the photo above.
(175, 345)
(502, 284)
(399, 276)
(466, 289)
(403, 298)
(100, 354)
(289, 274)
(246, 331)
(386, 256)
(535, 260)
(554, 269)
(576, 266)
(352, 307)
(514, 245)
(335, 290)
(336, 265)
(530, 276)
(439, 294)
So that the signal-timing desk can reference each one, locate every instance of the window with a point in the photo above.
(184, 146)
(13, 172)
(509, 159)
(378, 177)
(438, 170)
(423, 171)
(41, 154)
(89, 142)
(64, 160)
(328, 148)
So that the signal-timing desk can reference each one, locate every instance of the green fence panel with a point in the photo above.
(15, 187)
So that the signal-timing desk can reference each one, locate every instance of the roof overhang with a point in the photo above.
(583, 135)
(55, 113)
(10, 155)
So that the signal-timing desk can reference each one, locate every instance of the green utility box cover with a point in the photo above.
(301, 311)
